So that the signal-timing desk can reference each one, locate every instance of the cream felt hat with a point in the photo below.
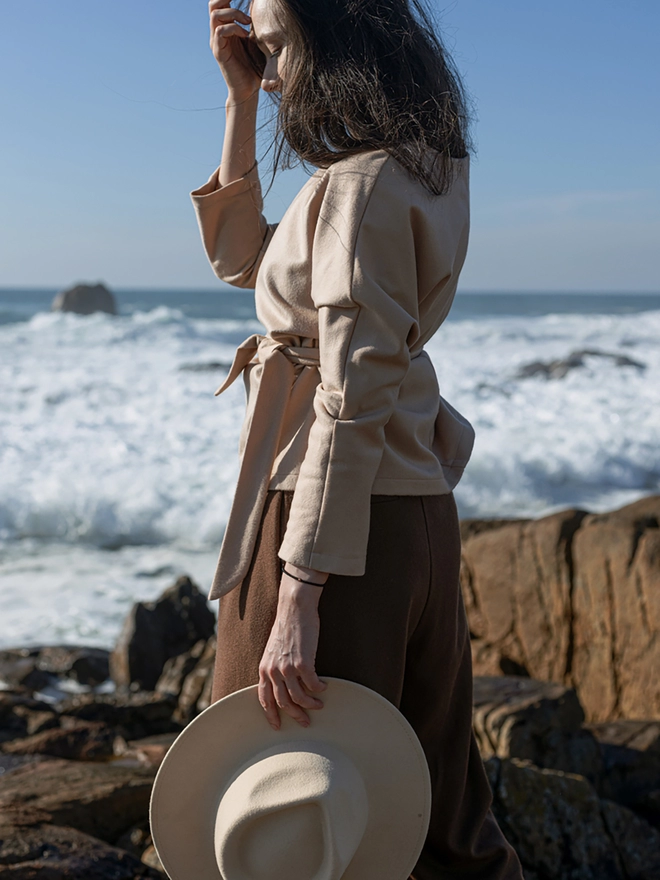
(348, 797)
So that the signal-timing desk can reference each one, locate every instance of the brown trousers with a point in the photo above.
(400, 629)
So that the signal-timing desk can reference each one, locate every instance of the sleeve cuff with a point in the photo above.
(213, 188)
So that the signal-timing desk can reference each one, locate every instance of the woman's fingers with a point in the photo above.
(223, 31)
(284, 700)
(226, 15)
(268, 703)
(298, 695)
(312, 682)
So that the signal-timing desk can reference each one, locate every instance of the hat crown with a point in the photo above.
(294, 812)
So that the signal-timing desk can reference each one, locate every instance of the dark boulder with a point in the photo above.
(557, 369)
(534, 720)
(131, 716)
(562, 830)
(38, 666)
(154, 632)
(21, 715)
(81, 740)
(51, 852)
(84, 299)
(189, 678)
(631, 765)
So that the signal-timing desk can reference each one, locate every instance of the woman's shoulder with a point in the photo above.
(378, 168)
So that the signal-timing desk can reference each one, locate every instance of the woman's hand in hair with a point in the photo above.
(236, 54)
(287, 675)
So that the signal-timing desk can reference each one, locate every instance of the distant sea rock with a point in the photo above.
(84, 299)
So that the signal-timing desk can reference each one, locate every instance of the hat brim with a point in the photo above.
(360, 722)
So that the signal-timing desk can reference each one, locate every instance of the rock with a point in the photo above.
(20, 715)
(631, 765)
(150, 858)
(637, 845)
(11, 762)
(538, 721)
(177, 669)
(99, 799)
(132, 716)
(156, 631)
(572, 598)
(82, 740)
(557, 369)
(517, 581)
(561, 830)
(195, 694)
(148, 752)
(616, 612)
(204, 366)
(36, 667)
(135, 839)
(85, 299)
(49, 852)
(189, 677)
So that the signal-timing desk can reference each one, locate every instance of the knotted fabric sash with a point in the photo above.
(278, 361)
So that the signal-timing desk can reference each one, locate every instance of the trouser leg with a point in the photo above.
(401, 630)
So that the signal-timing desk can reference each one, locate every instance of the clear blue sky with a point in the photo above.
(96, 169)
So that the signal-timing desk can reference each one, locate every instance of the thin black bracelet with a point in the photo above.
(288, 574)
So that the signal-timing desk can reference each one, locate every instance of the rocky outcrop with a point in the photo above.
(572, 598)
(84, 299)
(557, 369)
(100, 799)
(38, 666)
(562, 830)
(154, 632)
(630, 755)
(534, 720)
(578, 800)
(134, 715)
(80, 740)
(189, 678)
(51, 852)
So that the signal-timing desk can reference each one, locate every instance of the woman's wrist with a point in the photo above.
(242, 101)
(305, 575)
(303, 597)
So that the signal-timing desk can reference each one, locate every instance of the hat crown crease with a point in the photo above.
(294, 812)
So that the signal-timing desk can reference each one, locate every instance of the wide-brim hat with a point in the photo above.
(349, 796)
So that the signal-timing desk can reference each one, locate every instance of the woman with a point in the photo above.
(342, 551)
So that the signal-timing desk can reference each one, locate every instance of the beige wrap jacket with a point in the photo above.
(342, 400)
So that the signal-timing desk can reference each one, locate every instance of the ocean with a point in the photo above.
(117, 463)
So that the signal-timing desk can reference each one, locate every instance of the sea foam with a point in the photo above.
(110, 442)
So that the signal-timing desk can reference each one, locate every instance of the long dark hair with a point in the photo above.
(369, 74)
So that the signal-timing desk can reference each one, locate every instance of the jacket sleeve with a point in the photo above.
(364, 287)
(234, 230)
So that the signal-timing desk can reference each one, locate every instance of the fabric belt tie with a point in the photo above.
(278, 361)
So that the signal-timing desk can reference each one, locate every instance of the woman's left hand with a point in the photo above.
(287, 675)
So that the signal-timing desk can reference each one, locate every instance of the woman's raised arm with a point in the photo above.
(235, 54)
(229, 206)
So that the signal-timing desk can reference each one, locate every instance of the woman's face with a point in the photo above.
(269, 36)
